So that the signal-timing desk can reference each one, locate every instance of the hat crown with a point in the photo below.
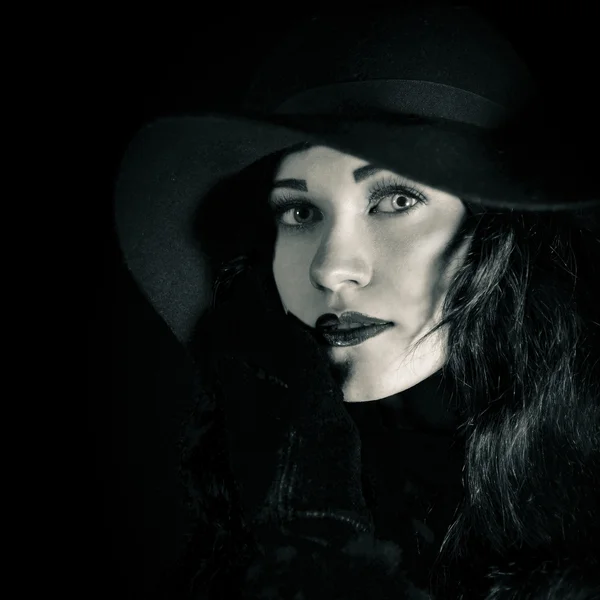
(449, 45)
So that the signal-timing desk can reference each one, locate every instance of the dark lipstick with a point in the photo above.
(350, 328)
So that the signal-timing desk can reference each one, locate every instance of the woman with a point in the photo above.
(442, 443)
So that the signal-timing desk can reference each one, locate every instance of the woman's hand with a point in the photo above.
(295, 451)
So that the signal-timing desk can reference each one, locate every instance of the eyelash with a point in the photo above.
(382, 189)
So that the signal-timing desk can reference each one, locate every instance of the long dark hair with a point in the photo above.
(523, 334)
(523, 337)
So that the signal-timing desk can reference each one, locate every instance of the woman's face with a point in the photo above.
(351, 237)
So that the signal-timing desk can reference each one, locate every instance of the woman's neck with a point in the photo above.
(426, 403)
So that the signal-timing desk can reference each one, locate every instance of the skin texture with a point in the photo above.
(375, 258)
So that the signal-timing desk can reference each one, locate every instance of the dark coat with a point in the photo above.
(412, 464)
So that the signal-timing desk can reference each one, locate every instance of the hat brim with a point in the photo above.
(172, 163)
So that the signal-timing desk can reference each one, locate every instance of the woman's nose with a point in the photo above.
(342, 259)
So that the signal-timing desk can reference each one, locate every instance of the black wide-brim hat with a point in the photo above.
(434, 93)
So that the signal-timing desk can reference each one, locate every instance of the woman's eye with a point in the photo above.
(298, 215)
(397, 202)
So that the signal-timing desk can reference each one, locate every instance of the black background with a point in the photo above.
(161, 61)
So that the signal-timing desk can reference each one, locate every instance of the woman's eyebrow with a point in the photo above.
(293, 184)
(359, 174)
(365, 172)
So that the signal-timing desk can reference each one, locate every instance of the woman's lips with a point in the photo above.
(352, 336)
(348, 319)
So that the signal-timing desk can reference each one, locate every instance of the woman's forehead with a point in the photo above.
(315, 160)
(322, 164)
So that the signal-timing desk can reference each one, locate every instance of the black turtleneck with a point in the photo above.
(412, 465)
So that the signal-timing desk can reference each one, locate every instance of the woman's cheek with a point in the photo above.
(290, 270)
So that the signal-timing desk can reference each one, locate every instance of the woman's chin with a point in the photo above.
(350, 397)
(359, 392)
(359, 387)
(364, 387)
(371, 371)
